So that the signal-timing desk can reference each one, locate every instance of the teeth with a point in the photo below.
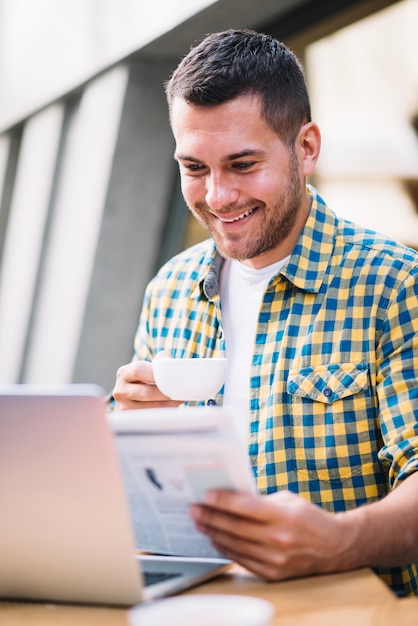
(236, 219)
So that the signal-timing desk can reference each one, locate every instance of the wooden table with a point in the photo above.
(357, 597)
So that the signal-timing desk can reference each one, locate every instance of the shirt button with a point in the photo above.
(219, 334)
(327, 392)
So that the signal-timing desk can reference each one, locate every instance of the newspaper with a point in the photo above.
(169, 459)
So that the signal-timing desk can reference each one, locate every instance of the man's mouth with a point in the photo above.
(236, 219)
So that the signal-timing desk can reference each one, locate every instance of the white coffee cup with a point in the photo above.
(203, 610)
(197, 379)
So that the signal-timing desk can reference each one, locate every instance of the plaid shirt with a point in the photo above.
(333, 411)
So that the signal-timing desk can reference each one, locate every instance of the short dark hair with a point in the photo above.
(233, 63)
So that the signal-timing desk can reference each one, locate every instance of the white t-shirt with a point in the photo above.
(241, 291)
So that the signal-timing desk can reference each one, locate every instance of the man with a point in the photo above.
(318, 319)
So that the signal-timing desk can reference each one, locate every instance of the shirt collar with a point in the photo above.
(309, 260)
(209, 275)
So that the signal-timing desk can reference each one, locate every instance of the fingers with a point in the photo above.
(253, 507)
(276, 536)
(215, 522)
(242, 541)
(136, 372)
(135, 388)
(229, 526)
(261, 565)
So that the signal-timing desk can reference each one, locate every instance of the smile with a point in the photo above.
(236, 219)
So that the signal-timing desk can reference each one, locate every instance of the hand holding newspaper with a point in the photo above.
(169, 459)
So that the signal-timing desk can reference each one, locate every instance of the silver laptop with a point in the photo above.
(65, 528)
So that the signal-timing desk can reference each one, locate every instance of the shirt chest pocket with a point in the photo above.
(333, 411)
(328, 383)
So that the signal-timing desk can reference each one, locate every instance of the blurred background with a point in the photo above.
(90, 204)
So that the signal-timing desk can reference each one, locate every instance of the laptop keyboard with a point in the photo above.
(151, 578)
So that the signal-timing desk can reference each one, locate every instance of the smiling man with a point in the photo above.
(254, 210)
(318, 319)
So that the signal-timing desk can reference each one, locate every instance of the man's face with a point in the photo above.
(242, 183)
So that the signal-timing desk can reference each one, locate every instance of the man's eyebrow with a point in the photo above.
(229, 157)
(185, 157)
(244, 153)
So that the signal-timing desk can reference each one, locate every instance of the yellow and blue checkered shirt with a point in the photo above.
(333, 408)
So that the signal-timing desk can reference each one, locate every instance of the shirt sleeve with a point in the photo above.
(142, 343)
(397, 383)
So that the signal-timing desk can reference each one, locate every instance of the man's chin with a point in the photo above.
(231, 253)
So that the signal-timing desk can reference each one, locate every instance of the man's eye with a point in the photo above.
(242, 165)
(193, 167)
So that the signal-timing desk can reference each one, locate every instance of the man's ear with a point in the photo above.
(308, 146)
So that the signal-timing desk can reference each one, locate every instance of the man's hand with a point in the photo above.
(277, 536)
(136, 389)
(283, 536)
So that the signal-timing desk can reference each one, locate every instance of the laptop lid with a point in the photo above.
(65, 532)
(65, 528)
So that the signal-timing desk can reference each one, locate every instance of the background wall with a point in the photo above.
(49, 47)
(364, 88)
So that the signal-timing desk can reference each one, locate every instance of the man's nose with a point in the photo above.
(220, 191)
